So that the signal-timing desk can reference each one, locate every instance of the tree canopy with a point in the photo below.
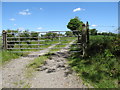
(51, 35)
(69, 33)
(75, 24)
(93, 31)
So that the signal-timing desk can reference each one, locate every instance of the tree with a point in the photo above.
(51, 35)
(119, 30)
(104, 33)
(24, 34)
(69, 33)
(13, 34)
(34, 35)
(75, 24)
(93, 31)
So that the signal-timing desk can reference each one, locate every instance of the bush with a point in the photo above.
(101, 65)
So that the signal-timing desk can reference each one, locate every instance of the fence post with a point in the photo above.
(4, 35)
(83, 33)
(87, 31)
(83, 38)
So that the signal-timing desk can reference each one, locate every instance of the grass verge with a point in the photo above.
(100, 67)
(7, 56)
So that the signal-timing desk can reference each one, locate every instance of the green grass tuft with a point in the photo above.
(37, 62)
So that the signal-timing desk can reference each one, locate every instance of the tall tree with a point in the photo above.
(51, 35)
(34, 35)
(93, 31)
(69, 33)
(75, 24)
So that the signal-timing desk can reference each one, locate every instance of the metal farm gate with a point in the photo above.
(31, 41)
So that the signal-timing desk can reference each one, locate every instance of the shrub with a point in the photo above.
(101, 65)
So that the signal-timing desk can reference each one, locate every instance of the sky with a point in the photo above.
(49, 16)
(60, 0)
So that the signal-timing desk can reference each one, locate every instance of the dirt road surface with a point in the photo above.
(55, 73)
(13, 71)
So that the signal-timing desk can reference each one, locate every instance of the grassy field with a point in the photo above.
(46, 42)
(66, 40)
(100, 67)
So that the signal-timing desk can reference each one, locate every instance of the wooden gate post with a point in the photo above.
(4, 35)
(83, 38)
(83, 33)
(87, 31)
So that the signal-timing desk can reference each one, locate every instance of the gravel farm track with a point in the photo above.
(55, 73)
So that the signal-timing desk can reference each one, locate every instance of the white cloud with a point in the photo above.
(105, 31)
(39, 28)
(93, 25)
(12, 19)
(29, 13)
(21, 29)
(25, 12)
(15, 24)
(41, 8)
(78, 9)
